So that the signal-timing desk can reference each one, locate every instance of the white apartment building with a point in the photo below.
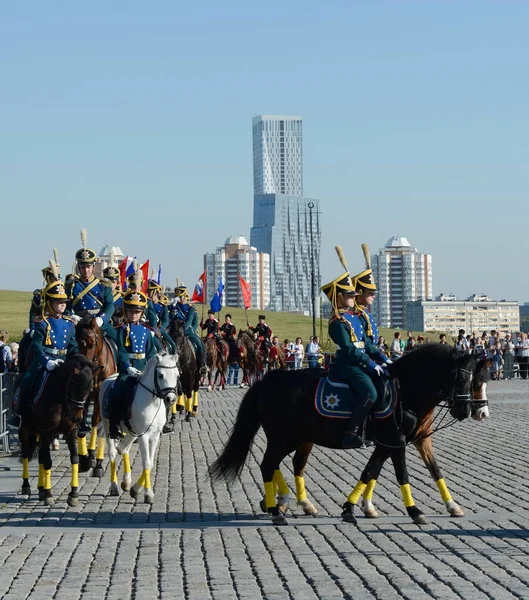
(448, 315)
(236, 258)
(402, 274)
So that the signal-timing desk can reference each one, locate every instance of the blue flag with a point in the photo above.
(159, 275)
(216, 301)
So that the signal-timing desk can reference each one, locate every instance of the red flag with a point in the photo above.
(246, 292)
(145, 276)
(199, 293)
(123, 271)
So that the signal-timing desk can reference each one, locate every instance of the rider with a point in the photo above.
(264, 334)
(149, 317)
(186, 313)
(135, 348)
(211, 325)
(228, 332)
(365, 285)
(53, 339)
(36, 302)
(162, 314)
(112, 275)
(356, 357)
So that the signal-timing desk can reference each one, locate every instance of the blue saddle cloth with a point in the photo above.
(336, 400)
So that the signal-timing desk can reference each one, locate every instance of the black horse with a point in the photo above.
(283, 404)
(58, 409)
(189, 368)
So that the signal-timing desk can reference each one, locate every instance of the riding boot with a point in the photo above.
(354, 434)
(201, 361)
(16, 420)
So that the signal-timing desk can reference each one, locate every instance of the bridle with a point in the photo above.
(159, 392)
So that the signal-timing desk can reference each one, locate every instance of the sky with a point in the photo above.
(134, 121)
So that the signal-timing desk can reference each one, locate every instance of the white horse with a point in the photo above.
(154, 396)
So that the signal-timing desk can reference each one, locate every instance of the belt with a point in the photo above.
(359, 344)
(136, 356)
(56, 351)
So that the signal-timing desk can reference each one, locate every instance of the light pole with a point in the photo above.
(312, 290)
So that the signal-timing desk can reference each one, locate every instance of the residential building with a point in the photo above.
(402, 274)
(237, 258)
(448, 315)
(286, 225)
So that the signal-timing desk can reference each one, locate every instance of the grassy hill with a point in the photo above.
(14, 310)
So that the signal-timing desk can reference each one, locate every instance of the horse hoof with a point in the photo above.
(454, 510)
(420, 519)
(282, 508)
(84, 463)
(42, 495)
(279, 519)
(56, 445)
(262, 505)
(308, 508)
(370, 513)
(148, 498)
(92, 463)
(188, 417)
(134, 491)
(114, 490)
(209, 388)
(25, 491)
(97, 472)
(72, 501)
(348, 513)
(49, 501)
(168, 428)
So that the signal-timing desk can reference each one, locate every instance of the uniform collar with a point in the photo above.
(89, 280)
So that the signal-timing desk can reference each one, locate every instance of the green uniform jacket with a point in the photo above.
(124, 361)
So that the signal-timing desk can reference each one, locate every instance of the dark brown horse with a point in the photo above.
(189, 372)
(97, 350)
(217, 353)
(59, 409)
(246, 356)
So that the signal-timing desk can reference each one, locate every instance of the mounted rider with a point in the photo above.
(211, 325)
(149, 315)
(89, 295)
(357, 359)
(228, 331)
(186, 314)
(154, 291)
(35, 309)
(53, 340)
(366, 287)
(264, 335)
(135, 349)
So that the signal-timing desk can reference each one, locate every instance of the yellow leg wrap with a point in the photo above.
(173, 408)
(25, 468)
(180, 400)
(141, 480)
(441, 486)
(41, 475)
(75, 475)
(354, 496)
(93, 439)
(301, 494)
(189, 404)
(405, 490)
(195, 398)
(281, 483)
(100, 449)
(47, 479)
(81, 446)
(126, 463)
(270, 494)
(368, 492)
(147, 479)
(113, 471)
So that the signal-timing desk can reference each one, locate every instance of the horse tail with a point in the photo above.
(231, 461)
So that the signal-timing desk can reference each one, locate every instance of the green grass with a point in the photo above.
(14, 311)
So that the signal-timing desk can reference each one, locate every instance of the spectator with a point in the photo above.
(508, 357)
(461, 343)
(298, 352)
(396, 350)
(6, 359)
(523, 355)
(288, 347)
(442, 339)
(14, 353)
(410, 344)
(420, 340)
(313, 352)
(382, 344)
(496, 367)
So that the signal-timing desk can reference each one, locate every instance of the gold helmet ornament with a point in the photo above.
(85, 256)
(364, 281)
(55, 289)
(341, 285)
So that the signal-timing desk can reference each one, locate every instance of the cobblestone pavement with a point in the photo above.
(201, 542)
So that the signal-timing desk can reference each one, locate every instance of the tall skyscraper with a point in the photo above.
(282, 223)
(401, 274)
(236, 258)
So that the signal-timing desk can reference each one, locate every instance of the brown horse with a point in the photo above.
(247, 358)
(217, 352)
(277, 358)
(97, 350)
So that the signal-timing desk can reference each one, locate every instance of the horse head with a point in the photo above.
(165, 375)
(461, 395)
(89, 338)
(79, 374)
(480, 405)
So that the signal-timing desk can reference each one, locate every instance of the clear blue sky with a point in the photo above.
(134, 121)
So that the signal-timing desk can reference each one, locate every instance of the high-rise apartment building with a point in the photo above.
(286, 225)
(402, 274)
(236, 258)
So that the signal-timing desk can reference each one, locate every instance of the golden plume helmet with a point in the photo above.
(341, 285)
(364, 281)
(55, 289)
(85, 256)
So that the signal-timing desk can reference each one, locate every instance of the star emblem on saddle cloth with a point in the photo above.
(331, 401)
(85, 254)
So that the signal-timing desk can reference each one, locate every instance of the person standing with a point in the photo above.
(6, 358)
(298, 353)
(508, 357)
(523, 355)
(313, 352)
(228, 331)
(396, 350)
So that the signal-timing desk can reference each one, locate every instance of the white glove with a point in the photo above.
(59, 361)
(75, 318)
(380, 370)
(99, 321)
(133, 372)
(52, 364)
(389, 361)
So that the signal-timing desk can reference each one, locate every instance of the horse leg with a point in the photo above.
(145, 477)
(189, 407)
(73, 496)
(26, 450)
(126, 483)
(299, 462)
(370, 476)
(270, 464)
(283, 497)
(92, 444)
(112, 454)
(45, 461)
(84, 464)
(425, 449)
(195, 403)
(100, 455)
(398, 457)
(366, 483)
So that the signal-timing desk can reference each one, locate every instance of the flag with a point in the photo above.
(216, 301)
(199, 292)
(124, 271)
(130, 268)
(246, 291)
(145, 276)
(159, 275)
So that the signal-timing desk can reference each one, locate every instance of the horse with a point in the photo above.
(155, 393)
(58, 409)
(217, 353)
(247, 356)
(427, 376)
(97, 349)
(421, 438)
(190, 374)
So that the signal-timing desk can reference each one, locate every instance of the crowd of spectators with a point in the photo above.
(296, 354)
(8, 354)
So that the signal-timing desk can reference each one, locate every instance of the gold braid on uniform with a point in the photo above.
(127, 339)
(360, 308)
(341, 318)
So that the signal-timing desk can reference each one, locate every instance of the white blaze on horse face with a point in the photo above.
(483, 412)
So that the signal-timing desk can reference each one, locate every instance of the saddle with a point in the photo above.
(121, 403)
